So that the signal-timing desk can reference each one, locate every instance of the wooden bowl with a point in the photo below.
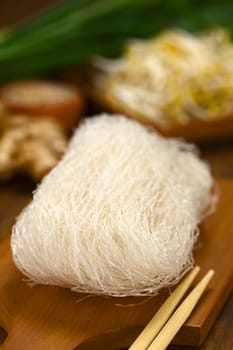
(196, 130)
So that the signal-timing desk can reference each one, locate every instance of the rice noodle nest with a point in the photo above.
(118, 215)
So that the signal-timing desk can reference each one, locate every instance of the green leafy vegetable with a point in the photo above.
(78, 30)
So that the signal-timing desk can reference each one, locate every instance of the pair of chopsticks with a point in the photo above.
(159, 332)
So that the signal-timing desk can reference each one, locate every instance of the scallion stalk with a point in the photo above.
(78, 30)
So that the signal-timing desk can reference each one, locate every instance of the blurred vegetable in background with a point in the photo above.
(175, 77)
(77, 31)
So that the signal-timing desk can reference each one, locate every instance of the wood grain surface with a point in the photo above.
(45, 317)
(220, 337)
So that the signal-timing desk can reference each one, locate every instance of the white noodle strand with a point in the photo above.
(118, 215)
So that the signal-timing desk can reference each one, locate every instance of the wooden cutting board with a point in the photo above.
(53, 318)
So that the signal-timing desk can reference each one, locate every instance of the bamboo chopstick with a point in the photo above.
(180, 316)
(162, 315)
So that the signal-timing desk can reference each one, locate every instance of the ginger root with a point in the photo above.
(31, 146)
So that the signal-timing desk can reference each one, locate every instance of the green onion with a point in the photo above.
(78, 30)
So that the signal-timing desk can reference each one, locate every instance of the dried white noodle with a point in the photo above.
(118, 215)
